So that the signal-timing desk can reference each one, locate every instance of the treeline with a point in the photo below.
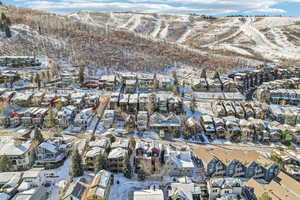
(5, 24)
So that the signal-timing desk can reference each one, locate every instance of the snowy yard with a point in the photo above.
(58, 182)
(124, 189)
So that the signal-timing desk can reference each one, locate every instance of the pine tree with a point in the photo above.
(38, 80)
(1, 3)
(151, 106)
(203, 73)
(176, 89)
(81, 74)
(132, 141)
(127, 168)
(77, 168)
(112, 139)
(50, 118)
(7, 31)
(193, 105)
(155, 84)
(37, 135)
(174, 75)
(100, 163)
(5, 164)
(216, 75)
(3, 17)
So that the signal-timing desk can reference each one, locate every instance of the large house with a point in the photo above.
(180, 163)
(148, 157)
(100, 186)
(51, 153)
(236, 163)
(224, 187)
(21, 154)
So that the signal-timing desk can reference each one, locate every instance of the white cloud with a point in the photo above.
(211, 7)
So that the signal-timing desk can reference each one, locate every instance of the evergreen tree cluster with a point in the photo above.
(5, 24)
(77, 167)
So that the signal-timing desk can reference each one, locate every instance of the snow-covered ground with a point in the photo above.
(58, 182)
(230, 34)
(124, 189)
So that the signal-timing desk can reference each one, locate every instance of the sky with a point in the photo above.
(206, 7)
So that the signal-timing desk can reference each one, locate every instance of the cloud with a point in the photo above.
(210, 7)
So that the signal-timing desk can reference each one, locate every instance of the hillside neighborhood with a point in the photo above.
(188, 133)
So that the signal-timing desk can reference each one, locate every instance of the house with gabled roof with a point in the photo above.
(170, 124)
(236, 163)
(99, 189)
(21, 154)
(76, 190)
(51, 153)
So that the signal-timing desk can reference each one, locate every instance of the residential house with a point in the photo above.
(21, 154)
(76, 190)
(77, 99)
(283, 187)
(108, 82)
(7, 96)
(232, 128)
(66, 116)
(219, 109)
(236, 163)
(164, 82)
(91, 101)
(219, 127)
(100, 186)
(142, 120)
(187, 190)
(83, 118)
(154, 194)
(130, 86)
(22, 99)
(49, 99)
(114, 101)
(144, 100)
(37, 98)
(169, 125)
(108, 118)
(145, 81)
(51, 154)
(180, 163)
(222, 187)
(32, 194)
(124, 102)
(116, 159)
(91, 158)
(7, 115)
(148, 158)
(207, 123)
(200, 85)
(133, 103)
(34, 177)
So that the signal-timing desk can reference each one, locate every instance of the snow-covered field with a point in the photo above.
(229, 34)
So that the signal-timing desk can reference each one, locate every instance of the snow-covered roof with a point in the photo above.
(95, 151)
(182, 159)
(148, 194)
(49, 147)
(117, 153)
(103, 142)
(8, 147)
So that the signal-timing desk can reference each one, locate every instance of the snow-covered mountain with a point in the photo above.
(259, 38)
